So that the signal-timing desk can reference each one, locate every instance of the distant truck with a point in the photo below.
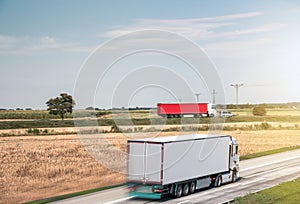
(178, 110)
(180, 165)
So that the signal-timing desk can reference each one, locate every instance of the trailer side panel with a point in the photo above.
(191, 159)
(182, 108)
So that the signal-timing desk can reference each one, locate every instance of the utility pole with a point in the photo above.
(214, 96)
(237, 86)
(197, 96)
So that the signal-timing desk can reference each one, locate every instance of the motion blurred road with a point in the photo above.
(255, 175)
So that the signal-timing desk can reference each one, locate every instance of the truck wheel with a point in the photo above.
(192, 187)
(178, 193)
(218, 181)
(185, 189)
(234, 176)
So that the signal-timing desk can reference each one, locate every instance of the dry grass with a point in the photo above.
(270, 112)
(263, 140)
(39, 167)
(35, 167)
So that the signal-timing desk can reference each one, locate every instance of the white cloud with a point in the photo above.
(258, 29)
(193, 28)
(221, 36)
(30, 45)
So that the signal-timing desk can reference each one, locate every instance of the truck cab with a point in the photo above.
(212, 111)
(234, 165)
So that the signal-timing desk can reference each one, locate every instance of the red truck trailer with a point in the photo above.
(178, 110)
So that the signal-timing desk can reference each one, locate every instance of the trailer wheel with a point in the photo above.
(218, 181)
(178, 193)
(185, 189)
(192, 187)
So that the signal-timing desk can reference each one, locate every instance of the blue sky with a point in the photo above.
(44, 44)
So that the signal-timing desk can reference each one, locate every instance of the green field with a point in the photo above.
(13, 119)
(43, 114)
(44, 123)
(285, 193)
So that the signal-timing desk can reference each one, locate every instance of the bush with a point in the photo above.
(259, 111)
(265, 126)
(33, 131)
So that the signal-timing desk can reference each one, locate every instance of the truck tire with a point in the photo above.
(234, 176)
(218, 181)
(185, 190)
(192, 187)
(178, 193)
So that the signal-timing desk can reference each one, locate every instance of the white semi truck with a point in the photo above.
(180, 165)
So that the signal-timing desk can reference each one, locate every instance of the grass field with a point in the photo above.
(137, 114)
(16, 124)
(35, 167)
(285, 193)
(270, 112)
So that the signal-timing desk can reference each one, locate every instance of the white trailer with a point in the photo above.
(179, 165)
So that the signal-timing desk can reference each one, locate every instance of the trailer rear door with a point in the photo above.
(144, 162)
(153, 163)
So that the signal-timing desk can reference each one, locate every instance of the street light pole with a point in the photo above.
(197, 96)
(214, 96)
(237, 86)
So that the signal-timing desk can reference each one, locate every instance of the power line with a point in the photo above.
(237, 86)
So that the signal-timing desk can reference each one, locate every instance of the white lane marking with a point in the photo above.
(184, 201)
(267, 164)
(119, 200)
(254, 181)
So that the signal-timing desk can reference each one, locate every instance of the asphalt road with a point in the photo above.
(255, 175)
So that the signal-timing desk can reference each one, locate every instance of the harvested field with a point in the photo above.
(35, 167)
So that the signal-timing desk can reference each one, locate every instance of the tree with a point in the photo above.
(61, 105)
(259, 111)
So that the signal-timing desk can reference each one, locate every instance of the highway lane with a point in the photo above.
(256, 174)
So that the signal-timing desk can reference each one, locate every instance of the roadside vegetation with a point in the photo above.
(269, 152)
(285, 193)
(42, 123)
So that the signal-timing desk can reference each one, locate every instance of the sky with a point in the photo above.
(47, 47)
